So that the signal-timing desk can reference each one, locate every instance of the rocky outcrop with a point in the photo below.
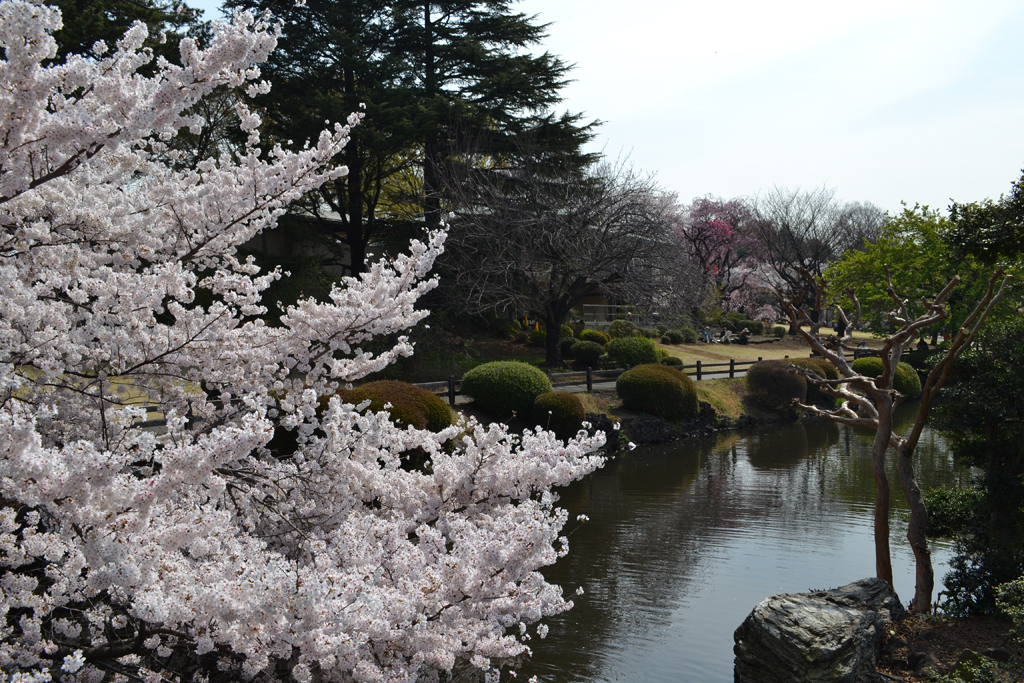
(832, 636)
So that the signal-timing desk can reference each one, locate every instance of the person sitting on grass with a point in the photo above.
(744, 336)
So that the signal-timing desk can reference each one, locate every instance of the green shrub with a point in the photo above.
(605, 362)
(651, 334)
(779, 331)
(560, 412)
(506, 328)
(539, 338)
(923, 361)
(587, 353)
(772, 386)
(689, 335)
(666, 340)
(567, 331)
(658, 390)
(632, 351)
(674, 337)
(755, 326)
(567, 343)
(906, 381)
(823, 367)
(410, 404)
(595, 336)
(1010, 599)
(671, 360)
(621, 328)
(504, 387)
(662, 329)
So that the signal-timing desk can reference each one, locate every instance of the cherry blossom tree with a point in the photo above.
(194, 552)
(717, 234)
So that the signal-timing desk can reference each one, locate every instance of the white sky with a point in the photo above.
(885, 101)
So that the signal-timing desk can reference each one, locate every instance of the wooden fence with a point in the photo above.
(698, 371)
(451, 387)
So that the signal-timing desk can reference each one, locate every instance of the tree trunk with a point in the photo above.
(883, 561)
(925, 576)
(554, 341)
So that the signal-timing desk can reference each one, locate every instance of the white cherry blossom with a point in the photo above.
(204, 552)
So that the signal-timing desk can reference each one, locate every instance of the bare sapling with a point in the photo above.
(869, 402)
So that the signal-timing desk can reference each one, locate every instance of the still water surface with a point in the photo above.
(685, 539)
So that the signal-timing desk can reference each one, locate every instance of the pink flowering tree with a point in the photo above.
(716, 233)
(195, 552)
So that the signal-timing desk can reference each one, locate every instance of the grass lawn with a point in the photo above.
(794, 347)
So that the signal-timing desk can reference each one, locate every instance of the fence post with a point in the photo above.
(732, 368)
(698, 371)
(590, 380)
(759, 359)
(451, 390)
(786, 356)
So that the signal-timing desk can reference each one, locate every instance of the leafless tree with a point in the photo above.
(869, 402)
(800, 232)
(538, 238)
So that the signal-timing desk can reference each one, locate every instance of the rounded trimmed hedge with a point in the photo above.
(587, 353)
(671, 360)
(779, 331)
(659, 390)
(560, 412)
(906, 381)
(771, 385)
(566, 344)
(824, 368)
(410, 404)
(503, 387)
(688, 334)
(621, 328)
(674, 337)
(632, 351)
(595, 336)
(539, 338)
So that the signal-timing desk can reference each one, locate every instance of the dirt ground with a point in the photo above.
(948, 639)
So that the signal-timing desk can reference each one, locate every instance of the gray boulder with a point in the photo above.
(832, 636)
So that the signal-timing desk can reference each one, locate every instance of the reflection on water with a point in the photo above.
(685, 539)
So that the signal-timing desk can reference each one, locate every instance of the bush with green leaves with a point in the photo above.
(595, 336)
(671, 360)
(651, 333)
(567, 343)
(779, 331)
(621, 328)
(674, 337)
(506, 328)
(505, 387)
(666, 340)
(559, 412)
(906, 381)
(923, 361)
(1010, 599)
(659, 390)
(633, 351)
(539, 338)
(587, 353)
(822, 367)
(771, 385)
(410, 404)
(689, 335)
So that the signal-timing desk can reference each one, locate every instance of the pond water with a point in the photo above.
(685, 539)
